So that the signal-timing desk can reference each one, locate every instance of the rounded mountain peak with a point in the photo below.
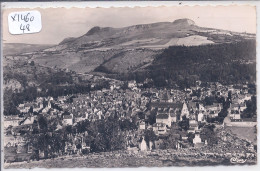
(93, 30)
(98, 29)
(184, 22)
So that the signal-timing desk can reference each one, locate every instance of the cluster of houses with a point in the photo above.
(169, 113)
(171, 106)
(238, 105)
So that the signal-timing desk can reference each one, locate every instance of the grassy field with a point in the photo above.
(247, 133)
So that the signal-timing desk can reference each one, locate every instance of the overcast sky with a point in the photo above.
(60, 23)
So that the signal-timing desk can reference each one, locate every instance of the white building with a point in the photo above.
(132, 84)
(197, 139)
(142, 125)
(143, 145)
(67, 119)
(201, 117)
(184, 111)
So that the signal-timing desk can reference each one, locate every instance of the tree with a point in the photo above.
(82, 126)
(184, 124)
(69, 129)
(222, 114)
(149, 135)
(173, 138)
(191, 136)
(117, 141)
(78, 146)
(55, 143)
(42, 123)
(32, 63)
(42, 143)
(99, 143)
(209, 100)
(126, 124)
(250, 111)
(229, 95)
(221, 100)
(141, 115)
(152, 117)
(207, 133)
(31, 110)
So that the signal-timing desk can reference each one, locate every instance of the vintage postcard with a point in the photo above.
(129, 87)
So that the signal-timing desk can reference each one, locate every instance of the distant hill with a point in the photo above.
(18, 48)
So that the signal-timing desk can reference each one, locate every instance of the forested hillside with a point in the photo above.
(228, 63)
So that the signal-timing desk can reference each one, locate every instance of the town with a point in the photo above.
(134, 118)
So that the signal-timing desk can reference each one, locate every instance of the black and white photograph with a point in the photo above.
(123, 87)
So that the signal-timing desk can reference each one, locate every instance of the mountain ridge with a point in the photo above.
(141, 31)
(180, 22)
(132, 48)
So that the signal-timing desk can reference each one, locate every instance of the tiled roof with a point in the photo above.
(159, 124)
(234, 105)
(67, 116)
(162, 116)
(166, 105)
(172, 114)
(192, 105)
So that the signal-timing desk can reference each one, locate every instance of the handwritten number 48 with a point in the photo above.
(25, 27)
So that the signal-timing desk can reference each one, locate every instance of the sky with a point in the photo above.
(60, 23)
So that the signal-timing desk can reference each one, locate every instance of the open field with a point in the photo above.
(247, 133)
